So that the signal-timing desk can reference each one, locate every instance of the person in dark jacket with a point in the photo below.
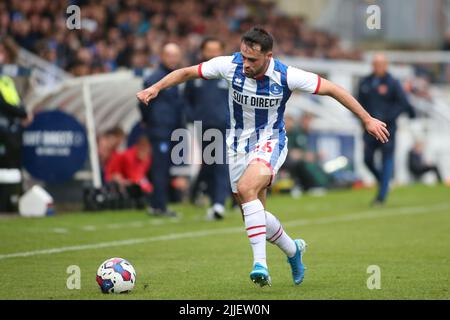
(417, 164)
(13, 118)
(165, 115)
(208, 103)
(13, 115)
(383, 98)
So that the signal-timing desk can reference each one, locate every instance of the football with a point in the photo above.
(116, 275)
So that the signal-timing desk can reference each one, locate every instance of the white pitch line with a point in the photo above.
(363, 215)
(59, 230)
(369, 214)
(156, 222)
(113, 226)
(89, 228)
(134, 224)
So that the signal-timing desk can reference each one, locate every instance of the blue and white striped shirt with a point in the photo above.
(256, 106)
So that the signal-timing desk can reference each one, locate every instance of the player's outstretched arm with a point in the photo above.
(172, 79)
(373, 126)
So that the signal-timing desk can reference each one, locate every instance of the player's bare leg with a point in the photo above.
(261, 197)
(255, 179)
(274, 230)
(276, 235)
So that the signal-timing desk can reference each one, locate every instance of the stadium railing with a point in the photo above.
(45, 75)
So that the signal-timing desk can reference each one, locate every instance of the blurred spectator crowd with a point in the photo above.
(118, 33)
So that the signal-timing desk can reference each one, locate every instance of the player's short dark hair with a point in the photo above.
(211, 39)
(258, 35)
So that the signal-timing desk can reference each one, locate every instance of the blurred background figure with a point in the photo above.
(127, 173)
(13, 118)
(302, 163)
(383, 97)
(179, 188)
(417, 164)
(108, 145)
(12, 111)
(208, 103)
(162, 117)
(446, 41)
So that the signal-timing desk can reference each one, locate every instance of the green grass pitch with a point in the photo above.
(190, 258)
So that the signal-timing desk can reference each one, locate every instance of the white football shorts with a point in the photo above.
(270, 152)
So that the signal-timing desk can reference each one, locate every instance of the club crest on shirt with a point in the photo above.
(276, 89)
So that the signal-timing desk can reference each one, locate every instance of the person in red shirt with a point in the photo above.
(128, 170)
(108, 145)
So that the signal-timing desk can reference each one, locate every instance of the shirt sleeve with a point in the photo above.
(301, 80)
(215, 68)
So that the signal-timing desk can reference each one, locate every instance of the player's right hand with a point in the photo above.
(146, 95)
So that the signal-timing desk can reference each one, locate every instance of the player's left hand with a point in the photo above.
(377, 129)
